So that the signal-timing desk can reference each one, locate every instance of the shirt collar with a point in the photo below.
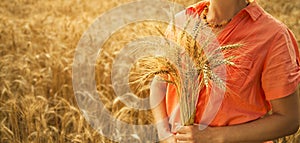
(254, 10)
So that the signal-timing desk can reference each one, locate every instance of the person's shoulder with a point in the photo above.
(269, 22)
(196, 8)
(192, 10)
(274, 23)
(266, 27)
(278, 31)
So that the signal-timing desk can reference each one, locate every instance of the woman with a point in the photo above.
(272, 75)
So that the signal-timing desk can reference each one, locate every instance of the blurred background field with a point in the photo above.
(37, 43)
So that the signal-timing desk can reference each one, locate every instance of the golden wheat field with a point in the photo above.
(37, 45)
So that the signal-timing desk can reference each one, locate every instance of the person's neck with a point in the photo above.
(222, 10)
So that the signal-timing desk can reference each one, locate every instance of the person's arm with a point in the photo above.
(284, 121)
(158, 104)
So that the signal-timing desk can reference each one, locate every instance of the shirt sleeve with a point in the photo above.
(281, 72)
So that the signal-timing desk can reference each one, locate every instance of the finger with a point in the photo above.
(184, 129)
(169, 140)
(183, 142)
(183, 137)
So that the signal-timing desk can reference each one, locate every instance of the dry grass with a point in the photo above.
(37, 42)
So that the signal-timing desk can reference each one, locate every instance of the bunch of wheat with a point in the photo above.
(188, 77)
